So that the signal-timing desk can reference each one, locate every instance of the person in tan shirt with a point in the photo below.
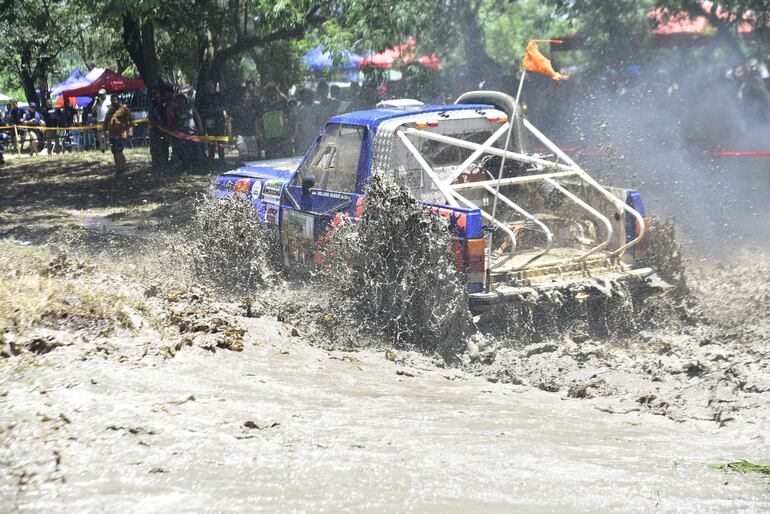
(118, 125)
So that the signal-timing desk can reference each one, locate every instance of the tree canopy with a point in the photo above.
(191, 41)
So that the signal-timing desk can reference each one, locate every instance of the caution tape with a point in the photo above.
(172, 133)
(76, 127)
(194, 139)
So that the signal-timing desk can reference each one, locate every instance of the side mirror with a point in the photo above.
(308, 183)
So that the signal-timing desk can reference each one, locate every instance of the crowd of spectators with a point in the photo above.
(266, 122)
(31, 123)
(263, 123)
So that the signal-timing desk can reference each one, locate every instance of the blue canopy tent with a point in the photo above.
(316, 59)
(76, 79)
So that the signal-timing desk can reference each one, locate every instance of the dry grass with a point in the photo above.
(41, 289)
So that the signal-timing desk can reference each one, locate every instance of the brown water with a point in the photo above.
(352, 432)
(109, 424)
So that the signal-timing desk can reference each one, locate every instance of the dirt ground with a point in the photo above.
(125, 385)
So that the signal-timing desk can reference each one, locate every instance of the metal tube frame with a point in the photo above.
(468, 145)
(621, 205)
(570, 169)
(445, 191)
(478, 152)
(548, 234)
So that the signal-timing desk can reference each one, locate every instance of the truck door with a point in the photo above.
(327, 183)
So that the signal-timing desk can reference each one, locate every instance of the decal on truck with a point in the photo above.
(256, 189)
(272, 191)
(297, 235)
(242, 186)
(271, 214)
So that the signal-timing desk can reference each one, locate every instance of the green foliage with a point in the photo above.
(743, 466)
(508, 30)
(35, 32)
(10, 84)
(616, 31)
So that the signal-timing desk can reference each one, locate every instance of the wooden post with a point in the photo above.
(17, 141)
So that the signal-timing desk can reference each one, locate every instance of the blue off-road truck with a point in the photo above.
(525, 216)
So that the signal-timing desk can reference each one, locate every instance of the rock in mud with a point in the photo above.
(38, 341)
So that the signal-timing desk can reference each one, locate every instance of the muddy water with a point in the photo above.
(286, 426)
(106, 425)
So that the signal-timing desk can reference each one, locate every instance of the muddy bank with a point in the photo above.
(162, 414)
(125, 383)
(715, 366)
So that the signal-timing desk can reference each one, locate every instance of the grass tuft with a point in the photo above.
(743, 466)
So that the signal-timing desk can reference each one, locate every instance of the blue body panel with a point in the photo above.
(282, 169)
(268, 184)
(633, 200)
(374, 117)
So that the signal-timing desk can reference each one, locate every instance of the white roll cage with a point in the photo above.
(551, 172)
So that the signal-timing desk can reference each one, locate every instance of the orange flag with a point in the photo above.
(535, 61)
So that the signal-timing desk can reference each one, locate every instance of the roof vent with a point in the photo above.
(399, 103)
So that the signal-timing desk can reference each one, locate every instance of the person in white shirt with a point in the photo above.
(104, 104)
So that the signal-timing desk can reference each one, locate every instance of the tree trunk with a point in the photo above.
(728, 38)
(139, 41)
(42, 76)
(27, 76)
(478, 63)
(209, 62)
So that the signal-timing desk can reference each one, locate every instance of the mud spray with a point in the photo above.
(230, 248)
(389, 281)
(153, 357)
(395, 270)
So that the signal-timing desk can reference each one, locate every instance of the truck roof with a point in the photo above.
(372, 118)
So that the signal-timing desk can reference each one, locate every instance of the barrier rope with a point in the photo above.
(189, 137)
(77, 127)
(173, 133)
(741, 154)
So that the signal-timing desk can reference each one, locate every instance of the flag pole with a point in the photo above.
(511, 122)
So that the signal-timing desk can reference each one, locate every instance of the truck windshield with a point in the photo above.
(334, 159)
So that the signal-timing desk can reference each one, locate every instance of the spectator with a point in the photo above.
(309, 120)
(101, 107)
(366, 98)
(753, 94)
(4, 117)
(211, 106)
(68, 115)
(335, 93)
(14, 118)
(245, 126)
(329, 106)
(118, 123)
(275, 129)
(354, 94)
(52, 118)
(184, 119)
(32, 119)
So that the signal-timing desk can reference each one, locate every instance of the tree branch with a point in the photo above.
(311, 18)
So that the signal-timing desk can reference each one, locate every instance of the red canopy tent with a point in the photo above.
(673, 29)
(109, 81)
(400, 54)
